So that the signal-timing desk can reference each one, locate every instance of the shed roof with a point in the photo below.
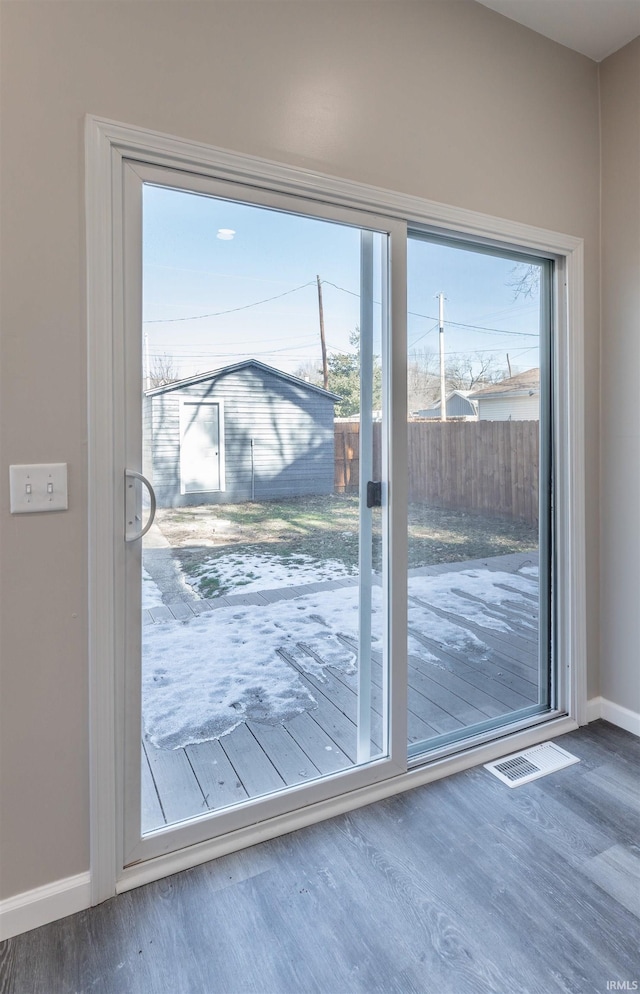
(522, 385)
(463, 394)
(234, 367)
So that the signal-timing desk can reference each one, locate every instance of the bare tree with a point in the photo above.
(524, 280)
(471, 372)
(310, 372)
(162, 370)
(423, 383)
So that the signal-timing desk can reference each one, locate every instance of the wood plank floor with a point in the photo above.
(452, 686)
(459, 886)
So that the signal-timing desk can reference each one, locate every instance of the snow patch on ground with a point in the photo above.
(249, 573)
(151, 593)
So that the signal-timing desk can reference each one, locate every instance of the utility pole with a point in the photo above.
(509, 365)
(325, 369)
(443, 387)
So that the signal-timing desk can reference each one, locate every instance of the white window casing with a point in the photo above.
(112, 151)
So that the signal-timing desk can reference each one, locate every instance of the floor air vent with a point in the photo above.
(522, 767)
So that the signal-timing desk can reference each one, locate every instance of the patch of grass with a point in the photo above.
(327, 528)
(209, 586)
(445, 535)
(191, 566)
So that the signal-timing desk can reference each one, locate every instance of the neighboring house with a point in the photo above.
(458, 405)
(247, 431)
(515, 399)
(375, 416)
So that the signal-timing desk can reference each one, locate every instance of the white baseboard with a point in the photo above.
(600, 707)
(594, 709)
(45, 904)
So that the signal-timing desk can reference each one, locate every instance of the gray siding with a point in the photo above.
(291, 427)
(459, 407)
(147, 438)
(509, 408)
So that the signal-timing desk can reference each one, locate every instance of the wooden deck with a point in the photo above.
(450, 689)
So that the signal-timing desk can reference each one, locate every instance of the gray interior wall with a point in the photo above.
(291, 428)
(443, 100)
(620, 424)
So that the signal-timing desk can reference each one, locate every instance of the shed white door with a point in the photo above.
(200, 446)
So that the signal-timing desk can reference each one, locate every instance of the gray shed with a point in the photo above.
(247, 431)
(458, 405)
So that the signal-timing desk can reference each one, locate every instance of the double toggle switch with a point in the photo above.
(38, 487)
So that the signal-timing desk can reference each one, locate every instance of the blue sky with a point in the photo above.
(191, 274)
(481, 314)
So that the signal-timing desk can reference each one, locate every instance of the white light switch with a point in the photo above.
(39, 487)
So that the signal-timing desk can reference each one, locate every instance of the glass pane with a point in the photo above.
(478, 374)
(255, 361)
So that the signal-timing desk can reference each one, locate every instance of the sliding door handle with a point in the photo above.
(374, 493)
(133, 529)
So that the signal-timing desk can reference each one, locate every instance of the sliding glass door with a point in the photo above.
(297, 618)
(479, 526)
(256, 547)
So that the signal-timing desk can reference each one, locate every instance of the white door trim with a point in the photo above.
(185, 402)
(107, 145)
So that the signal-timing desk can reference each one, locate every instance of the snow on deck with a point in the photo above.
(267, 679)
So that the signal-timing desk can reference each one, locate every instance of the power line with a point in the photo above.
(476, 352)
(336, 348)
(457, 324)
(424, 335)
(308, 336)
(231, 310)
(286, 293)
(232, 356)
(203, 354)
(344, 290)
(195, 350)
(494, 331)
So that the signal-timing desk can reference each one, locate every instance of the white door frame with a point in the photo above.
(108, 145)
(185, 402)
(128, 270)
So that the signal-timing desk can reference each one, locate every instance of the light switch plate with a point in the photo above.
(38, 487)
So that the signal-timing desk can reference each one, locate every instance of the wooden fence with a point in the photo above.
(487, 466)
